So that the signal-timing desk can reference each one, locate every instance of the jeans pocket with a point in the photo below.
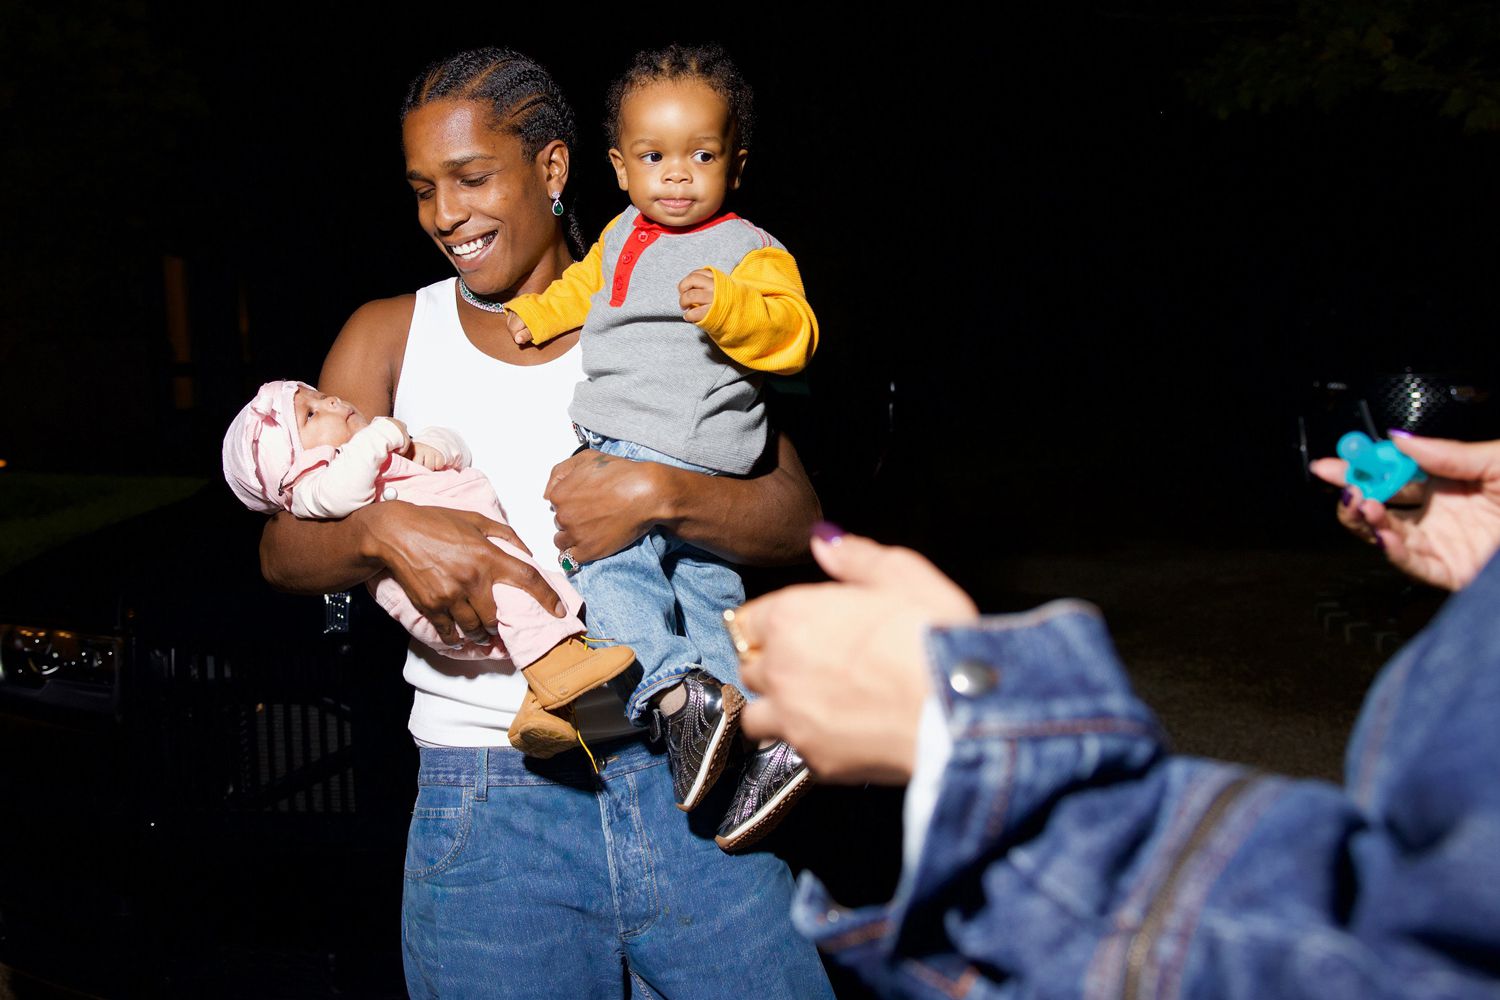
(440, 823)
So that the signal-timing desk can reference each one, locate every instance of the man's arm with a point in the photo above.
(763, 520)
(604, 503)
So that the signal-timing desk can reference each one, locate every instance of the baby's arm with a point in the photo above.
(438, 448)
(347, 483)
(538, 317)
(758, 314)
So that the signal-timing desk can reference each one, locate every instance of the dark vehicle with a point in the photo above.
(207, 782)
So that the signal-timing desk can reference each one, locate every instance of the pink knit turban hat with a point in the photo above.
(263, 452)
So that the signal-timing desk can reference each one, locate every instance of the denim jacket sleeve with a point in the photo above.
(1070, 854)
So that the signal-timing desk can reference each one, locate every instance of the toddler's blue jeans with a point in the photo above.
(661, 596)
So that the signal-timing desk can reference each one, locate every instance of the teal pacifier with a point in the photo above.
(1376, 467)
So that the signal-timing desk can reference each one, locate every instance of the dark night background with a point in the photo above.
(1085, 286)
(1077, 272)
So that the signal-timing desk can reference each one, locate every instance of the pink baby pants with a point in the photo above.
(526, 631)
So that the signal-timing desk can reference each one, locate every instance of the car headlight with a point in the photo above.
(32, 656)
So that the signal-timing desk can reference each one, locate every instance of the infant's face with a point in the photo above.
(676, 157)
(324, 419)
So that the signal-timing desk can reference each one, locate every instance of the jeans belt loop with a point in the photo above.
(482, 776)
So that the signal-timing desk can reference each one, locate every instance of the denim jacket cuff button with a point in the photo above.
(971, 678)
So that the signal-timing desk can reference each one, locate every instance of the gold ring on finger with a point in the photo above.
(733, 621)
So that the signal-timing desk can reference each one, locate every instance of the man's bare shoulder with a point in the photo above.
(382, 318)
(364, 363)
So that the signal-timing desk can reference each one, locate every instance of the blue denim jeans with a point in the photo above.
(537, 878)
(662, 596)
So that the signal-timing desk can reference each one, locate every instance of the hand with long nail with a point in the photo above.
(1441, 532)
(840, 666)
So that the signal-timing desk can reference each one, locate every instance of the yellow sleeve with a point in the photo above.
(760, 316)
(565, 304)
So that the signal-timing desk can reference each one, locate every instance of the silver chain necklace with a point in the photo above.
(477, 302)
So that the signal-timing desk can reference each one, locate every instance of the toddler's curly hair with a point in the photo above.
(708, 63)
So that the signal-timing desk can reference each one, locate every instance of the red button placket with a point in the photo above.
(635, 245)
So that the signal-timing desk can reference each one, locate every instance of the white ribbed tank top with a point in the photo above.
(515, 420)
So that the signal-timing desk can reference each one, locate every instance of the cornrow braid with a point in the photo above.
(708, 63)
(522, 98)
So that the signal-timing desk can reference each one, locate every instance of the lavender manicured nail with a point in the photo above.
(1345, 497)
(828, 532)
(1397, 432)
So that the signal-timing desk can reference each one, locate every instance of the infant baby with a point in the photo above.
(295, 448)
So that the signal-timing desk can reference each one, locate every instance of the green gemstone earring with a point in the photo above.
(557, 208)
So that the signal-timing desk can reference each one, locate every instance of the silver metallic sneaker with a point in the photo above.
(771, 782)
(699, 735)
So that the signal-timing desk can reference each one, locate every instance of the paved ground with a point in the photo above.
(1249, 654)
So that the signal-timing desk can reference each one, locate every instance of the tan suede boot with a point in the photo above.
(537, 732)
(544, 725)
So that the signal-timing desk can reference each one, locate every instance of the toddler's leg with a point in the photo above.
(773, 777)
(705, 586)
(688, 707)
(628, 595)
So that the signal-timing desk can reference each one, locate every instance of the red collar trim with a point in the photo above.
(652, 226)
